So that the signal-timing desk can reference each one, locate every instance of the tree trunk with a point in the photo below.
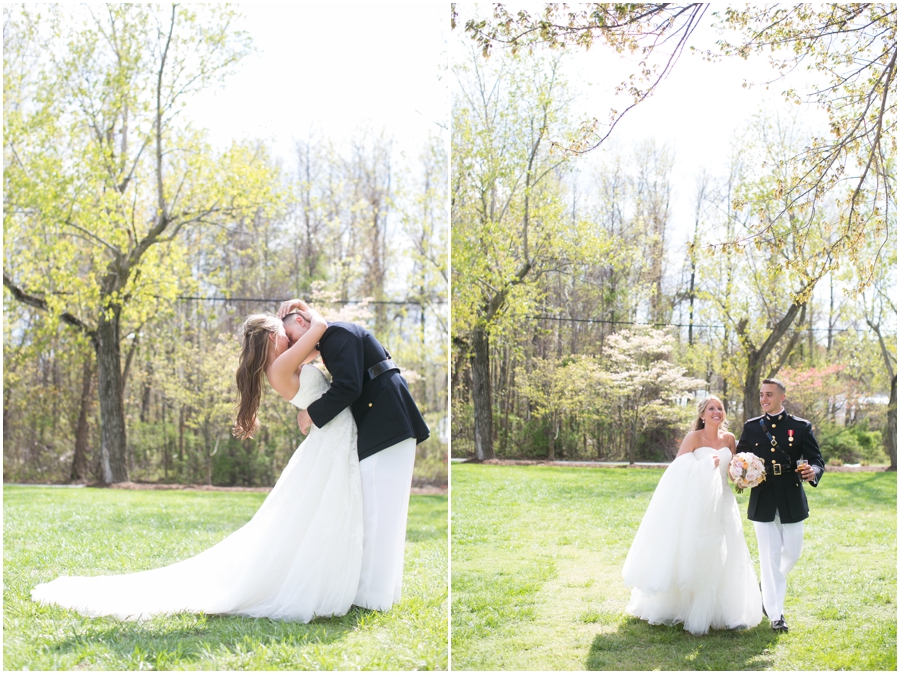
(79, 461)
(481, 395)
(751, 389)
(510, 384)
(145, 394)
(165, 444)
(209, 453)
(756, 358)
(112, 411)
(890, 441)
(632, 442)
(181, 433)
(551, 449)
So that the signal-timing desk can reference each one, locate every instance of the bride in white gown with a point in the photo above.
(689, 562)
(300, 556)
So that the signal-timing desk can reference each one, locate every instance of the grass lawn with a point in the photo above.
(537, 555)
(48, 532)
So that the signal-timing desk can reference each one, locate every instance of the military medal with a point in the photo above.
(790, 435)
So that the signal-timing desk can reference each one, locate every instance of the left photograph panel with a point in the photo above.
(225, 316)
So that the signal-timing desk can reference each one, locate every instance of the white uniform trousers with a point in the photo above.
(386, 480)
(780, 546)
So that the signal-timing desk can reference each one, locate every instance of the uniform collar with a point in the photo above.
(777, 416)
(325, 335)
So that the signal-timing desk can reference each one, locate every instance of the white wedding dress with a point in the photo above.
(298, 558)
(689, 562)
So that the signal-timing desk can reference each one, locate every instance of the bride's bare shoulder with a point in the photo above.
(689, 443)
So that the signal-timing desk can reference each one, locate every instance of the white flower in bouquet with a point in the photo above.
(747, 471)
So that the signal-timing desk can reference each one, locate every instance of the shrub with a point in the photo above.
(850, 444)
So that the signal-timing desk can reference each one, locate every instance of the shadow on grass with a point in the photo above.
(171, 641)
(637, 645)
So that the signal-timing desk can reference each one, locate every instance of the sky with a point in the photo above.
(334, 69)
(699, 111)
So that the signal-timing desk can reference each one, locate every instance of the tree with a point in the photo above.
(508, 223)
(777, 275)
(558, 389)
(851, 50)
(880, 311)
(658, 31)
(643, 385)
(102, 176)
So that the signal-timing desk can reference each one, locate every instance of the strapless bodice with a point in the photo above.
(702, 452)
(313, 385)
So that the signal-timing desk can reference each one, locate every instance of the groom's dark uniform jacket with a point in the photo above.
(383, 408)
(782, 488)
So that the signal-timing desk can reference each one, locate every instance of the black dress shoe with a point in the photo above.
(779, 625)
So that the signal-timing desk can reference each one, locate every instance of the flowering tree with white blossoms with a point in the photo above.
(644, 386)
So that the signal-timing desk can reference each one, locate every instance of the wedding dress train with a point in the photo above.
(298, 557)
(689, 561)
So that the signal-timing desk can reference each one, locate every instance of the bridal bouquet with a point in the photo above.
(747, 470)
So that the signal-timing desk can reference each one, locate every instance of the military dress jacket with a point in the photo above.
(783, 491)
(383, 407)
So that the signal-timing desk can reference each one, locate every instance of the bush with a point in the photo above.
(851, 444)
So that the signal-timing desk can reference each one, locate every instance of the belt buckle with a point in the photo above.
(776, 469)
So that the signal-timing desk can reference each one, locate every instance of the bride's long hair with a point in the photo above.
(699, 424)
(255, 347)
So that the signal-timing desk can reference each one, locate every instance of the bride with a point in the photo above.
(689, 562)
(300, 556)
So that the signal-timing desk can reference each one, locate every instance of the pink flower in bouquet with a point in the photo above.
(746, 470)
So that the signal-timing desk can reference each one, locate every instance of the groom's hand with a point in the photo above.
(304, 421)
(292, 305)
(806, 472)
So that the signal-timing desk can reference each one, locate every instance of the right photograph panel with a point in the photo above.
(674, 329)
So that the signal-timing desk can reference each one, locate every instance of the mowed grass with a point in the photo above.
(536, 580)
(50, 532)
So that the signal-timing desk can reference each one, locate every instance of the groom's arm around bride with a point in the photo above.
(389, 425)
(364, 379)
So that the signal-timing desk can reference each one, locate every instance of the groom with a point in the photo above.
(778, 506)
(365, 379)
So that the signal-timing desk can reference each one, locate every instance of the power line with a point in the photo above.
(267, 300)
(606, 322)
(563, 319)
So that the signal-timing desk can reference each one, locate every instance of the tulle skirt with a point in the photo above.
(298, 558)
(689, 562)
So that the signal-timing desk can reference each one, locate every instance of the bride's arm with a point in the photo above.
(284, 374)
(731, 448)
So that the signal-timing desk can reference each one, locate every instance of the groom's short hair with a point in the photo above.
(778, 383)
